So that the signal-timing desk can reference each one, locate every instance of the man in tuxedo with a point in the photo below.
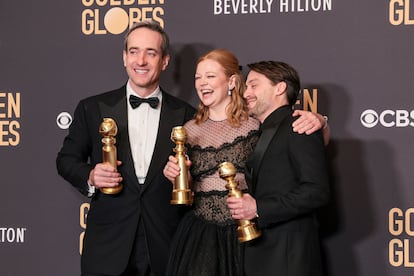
(287, 177)
(128, 233)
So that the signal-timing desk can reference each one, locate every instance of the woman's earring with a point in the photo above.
(229, 92)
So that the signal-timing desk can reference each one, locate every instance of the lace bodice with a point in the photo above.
(209, 144)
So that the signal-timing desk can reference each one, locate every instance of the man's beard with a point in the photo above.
(258, 109)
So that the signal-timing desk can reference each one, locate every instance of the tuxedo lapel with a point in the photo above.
(255, 160)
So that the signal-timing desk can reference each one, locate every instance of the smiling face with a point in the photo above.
(143, 60)
(260, 95)
(212, 85)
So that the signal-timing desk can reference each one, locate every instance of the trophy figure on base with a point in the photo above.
(247, 229)
(109, 129)
(181, 193)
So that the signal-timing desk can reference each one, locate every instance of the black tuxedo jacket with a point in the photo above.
(113, 219)
(287, 175)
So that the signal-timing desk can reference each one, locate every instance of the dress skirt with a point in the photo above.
(203, 248)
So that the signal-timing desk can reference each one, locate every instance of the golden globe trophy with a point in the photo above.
(247, 229)
(109, 129)
(181, 193)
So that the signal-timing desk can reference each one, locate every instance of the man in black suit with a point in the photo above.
(128, 233)
(287, 178)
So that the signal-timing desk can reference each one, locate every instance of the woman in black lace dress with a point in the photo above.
(206, 241)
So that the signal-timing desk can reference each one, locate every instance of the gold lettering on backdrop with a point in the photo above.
(101, 3)
(152, 2)
(83, 213)
(400, 226)
(112, 3)
(9, 113)
(309, 100)
(97, 30)
(399, 13)
(87, 3)
(115, 3)
(101, 17)
(396, 221)
(12, 103)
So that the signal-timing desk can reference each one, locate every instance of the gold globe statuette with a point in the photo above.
(181, 193)
(108, 129)
(246, 229)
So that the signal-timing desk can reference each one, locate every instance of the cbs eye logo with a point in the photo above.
(64, 120)
(369, 118)
(387, 118)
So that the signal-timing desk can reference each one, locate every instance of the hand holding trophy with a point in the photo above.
(247, 229)
(109, 129)
(181, 193)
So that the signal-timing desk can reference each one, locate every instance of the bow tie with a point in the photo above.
(136, 101)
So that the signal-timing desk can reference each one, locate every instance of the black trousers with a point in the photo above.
(138, 264)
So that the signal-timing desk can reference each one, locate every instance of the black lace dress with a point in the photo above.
(206, 241)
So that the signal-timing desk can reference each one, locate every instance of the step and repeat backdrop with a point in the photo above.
(356, 62)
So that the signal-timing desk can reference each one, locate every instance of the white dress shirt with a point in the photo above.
(143, 128)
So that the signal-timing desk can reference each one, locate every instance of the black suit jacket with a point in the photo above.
(287, 175)
(113, 219)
